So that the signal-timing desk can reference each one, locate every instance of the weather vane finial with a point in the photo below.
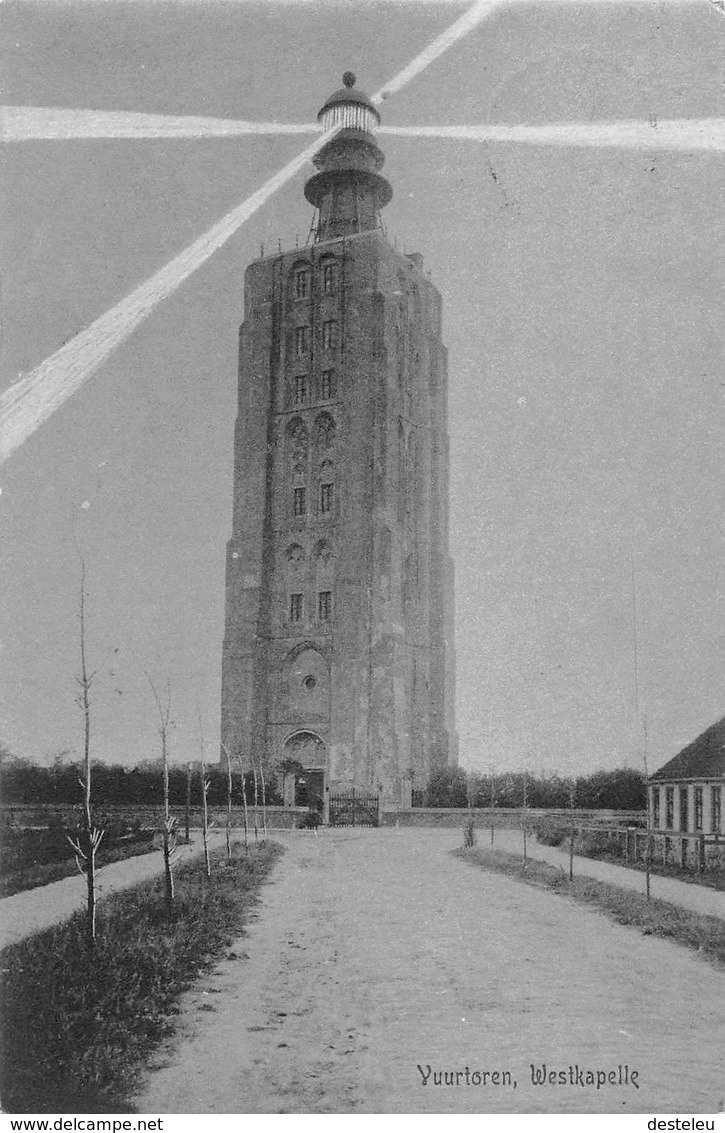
(349, 79)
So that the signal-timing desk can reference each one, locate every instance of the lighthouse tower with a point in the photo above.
(338, 661)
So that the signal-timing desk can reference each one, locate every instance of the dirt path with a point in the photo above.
(696, 898)
(36, 909)
(374, 951)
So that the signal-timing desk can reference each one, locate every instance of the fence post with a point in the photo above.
(380, 808)
(701, 853)
(683, 853)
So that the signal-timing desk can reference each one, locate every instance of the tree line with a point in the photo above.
(22, 781)
(621, 789)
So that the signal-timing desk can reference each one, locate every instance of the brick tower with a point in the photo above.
(338, 652)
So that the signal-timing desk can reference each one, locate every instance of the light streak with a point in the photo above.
(457, 30)
(30, 401)
(41, 123)
(667, 134)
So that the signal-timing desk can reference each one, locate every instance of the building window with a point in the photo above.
(655, 807)
(329, 277)
(716, 810)
(302, 340)
(324, 605)
(302, 283)
(296, 607)
(670, 808)
(329, 335)
(683, 808)
(299, 502)
(326, 498)
(698, 808)
(328, 383)
(300, 389)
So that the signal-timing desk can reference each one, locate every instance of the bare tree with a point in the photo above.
(85, 846)
(205, 784)
(572, 828)
(264, 802)
(230, 784)
(187, 808)
(168, 828)
(648, 841)
(493, 802)
(525, 814)
(256, 811)
(244, 804)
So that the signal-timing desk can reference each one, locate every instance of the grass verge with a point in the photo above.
(78, 1027)
(654, 918)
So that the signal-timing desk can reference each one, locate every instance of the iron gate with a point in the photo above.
(351, 808)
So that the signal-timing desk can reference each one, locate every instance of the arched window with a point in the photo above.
(328, 385)
(324, 434)
(298, 445)
(329, 334)
(324, 579)
(328, 276)
(300, 278)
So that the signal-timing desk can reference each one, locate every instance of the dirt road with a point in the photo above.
(376, 951)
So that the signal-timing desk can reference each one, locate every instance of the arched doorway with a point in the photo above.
(305, 767)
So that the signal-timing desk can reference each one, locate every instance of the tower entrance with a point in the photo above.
(305, 771)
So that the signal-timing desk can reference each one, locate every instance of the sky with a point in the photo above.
(583, 299)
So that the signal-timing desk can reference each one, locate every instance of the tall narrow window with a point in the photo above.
(302, 283)
(324, 605)
(326, 498)
(329, 335)
(299, 502)
(670, 808)
(655, 807)
(716, 810)
(302, 340)
(327, 384)
(329, 278)
(296, 607)
(300, 389)
(683, 808)
(698, 808)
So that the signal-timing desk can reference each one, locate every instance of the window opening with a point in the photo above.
(328, 383)
(300, 389)
(324, 605)
(302, 279)
(326, 498)
(329, 335)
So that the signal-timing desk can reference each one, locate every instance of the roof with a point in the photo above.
(704, 758)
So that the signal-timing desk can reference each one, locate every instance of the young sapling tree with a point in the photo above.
(230, 784)
(168, 828)
(256, 803)
(205, 784)
(85, 846)
(264, 802)
(187, 807)
(524, 817)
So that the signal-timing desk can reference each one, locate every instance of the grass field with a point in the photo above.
(30, 858)
(77, 1026)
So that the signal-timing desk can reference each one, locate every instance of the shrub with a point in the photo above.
(549, 832)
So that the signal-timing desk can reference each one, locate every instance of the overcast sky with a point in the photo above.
(583, 311)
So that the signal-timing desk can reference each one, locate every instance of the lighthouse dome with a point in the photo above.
(350, 108)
